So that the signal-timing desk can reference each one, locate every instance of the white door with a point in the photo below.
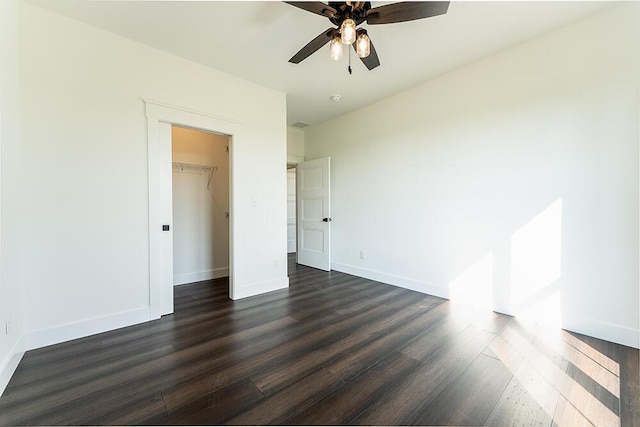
(314, 213)
(165, 216)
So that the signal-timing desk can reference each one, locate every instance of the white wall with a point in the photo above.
(11, 249)
(200, 206)
(84, 140)
(515, 177)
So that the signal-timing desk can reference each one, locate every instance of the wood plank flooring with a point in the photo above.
(331, 349)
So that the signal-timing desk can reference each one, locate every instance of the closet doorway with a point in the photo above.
(292, 228)
(200, 205)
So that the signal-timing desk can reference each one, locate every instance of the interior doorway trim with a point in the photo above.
(156, 114)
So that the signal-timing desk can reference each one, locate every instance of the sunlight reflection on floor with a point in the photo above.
(542, 371)
(557, 377)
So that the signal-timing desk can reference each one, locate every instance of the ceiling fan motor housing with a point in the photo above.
(354, 10)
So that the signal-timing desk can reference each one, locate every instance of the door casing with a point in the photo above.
(158, 116)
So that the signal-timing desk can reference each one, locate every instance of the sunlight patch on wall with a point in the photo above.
(536, 263)
(546, 310)
(475, 286)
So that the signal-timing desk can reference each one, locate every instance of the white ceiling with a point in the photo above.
(254, 41)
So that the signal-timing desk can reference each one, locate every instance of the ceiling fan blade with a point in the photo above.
(406, 11)
(371, 61)
(316, 7)
(312, 46)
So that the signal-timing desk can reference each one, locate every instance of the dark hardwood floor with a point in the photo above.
(331, 349)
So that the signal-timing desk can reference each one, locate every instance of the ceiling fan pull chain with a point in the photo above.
(349, 67)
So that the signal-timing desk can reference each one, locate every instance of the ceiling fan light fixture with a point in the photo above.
(335, 48)
(363, 44)
(350, 14)
(348, 31)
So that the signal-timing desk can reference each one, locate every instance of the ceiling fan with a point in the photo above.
(347, 16)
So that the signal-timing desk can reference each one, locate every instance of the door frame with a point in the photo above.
(294, 166)
(157, 113)
(294, 160)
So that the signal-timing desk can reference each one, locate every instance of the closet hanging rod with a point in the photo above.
(204, 168)
(181, 165)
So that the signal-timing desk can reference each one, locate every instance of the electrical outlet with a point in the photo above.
(363, 255)
(275, 263)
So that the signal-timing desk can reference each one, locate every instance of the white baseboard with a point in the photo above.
(604, 330)
(10, 364)
(390, 279)
(291, 246)
(593, 328)
(256, 288)
(199, 276)
(72, 331)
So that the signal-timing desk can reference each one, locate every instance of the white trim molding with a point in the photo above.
(259, 288)
(391, 279)
(604, 331)
(157, 113)
(594, 328)
(163, 110)
(10, 365)
(72, 331)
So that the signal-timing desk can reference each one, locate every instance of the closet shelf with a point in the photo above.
(183, 166)
(203, 168)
